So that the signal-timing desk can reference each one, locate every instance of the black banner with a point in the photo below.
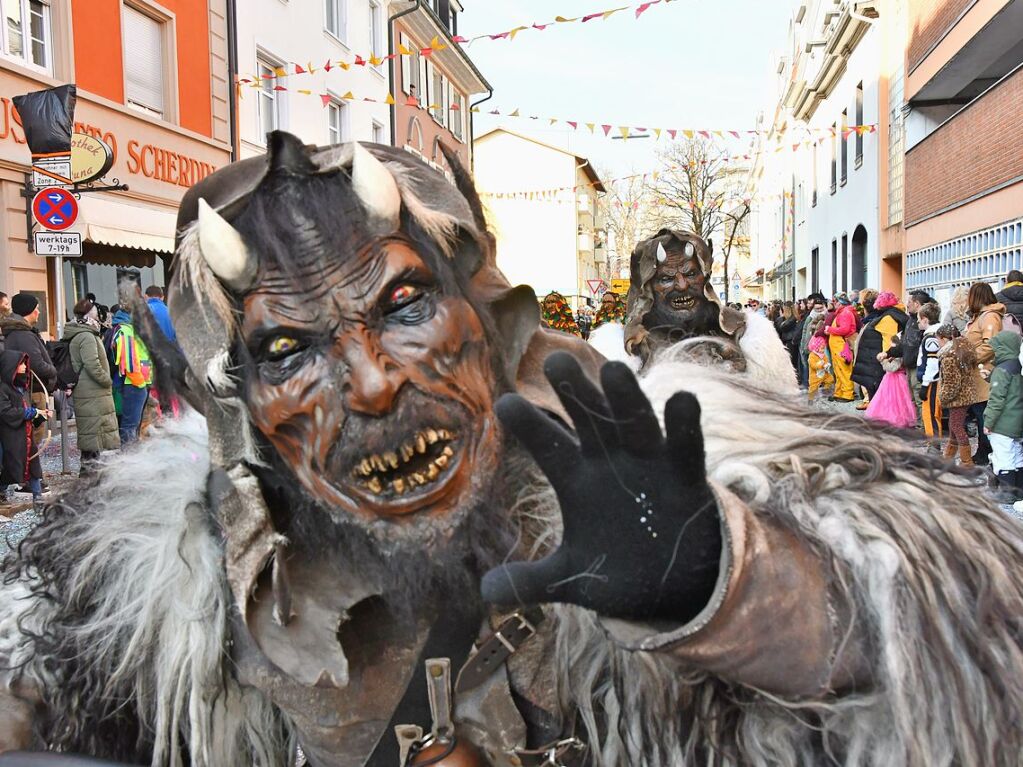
(48, 118)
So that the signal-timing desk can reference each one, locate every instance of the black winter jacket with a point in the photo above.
(867, 371)
(1012, 297)
(19, 336)
(15, 430)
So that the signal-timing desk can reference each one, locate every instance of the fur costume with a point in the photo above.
(250, 580)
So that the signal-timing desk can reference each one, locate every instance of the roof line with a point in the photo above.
(583, 163)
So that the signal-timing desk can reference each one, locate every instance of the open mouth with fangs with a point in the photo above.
(680, 303)
(418, 466)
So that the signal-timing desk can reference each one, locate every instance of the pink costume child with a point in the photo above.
(893, 403)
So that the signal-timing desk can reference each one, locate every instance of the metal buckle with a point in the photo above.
(525, 624)
(554, 752)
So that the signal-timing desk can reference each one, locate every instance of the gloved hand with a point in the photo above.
(642, 536)
(922, 393)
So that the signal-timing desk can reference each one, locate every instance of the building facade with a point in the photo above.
(964, 147)
(324, 103)
(153, 84)
(434, 87)
(550, 241)
(816, 223)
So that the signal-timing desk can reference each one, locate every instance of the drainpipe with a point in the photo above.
(390, 67)
(472, 127)
(232, 75)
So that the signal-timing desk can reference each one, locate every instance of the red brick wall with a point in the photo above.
(975, 151)
(929, 20)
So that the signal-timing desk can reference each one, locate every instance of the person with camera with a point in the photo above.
(21, 465)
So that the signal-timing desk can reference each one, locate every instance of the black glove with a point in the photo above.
(642, 536)
(922, 393)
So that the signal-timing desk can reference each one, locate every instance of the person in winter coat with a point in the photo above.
(842, 337)
(819, 366)
(21, 456)
(956, 365)
(912, 337)
(887, 320)
(959, 308)
(928, 321)
(1003, 417)
(132, 377)
(986, 322)
(95, 415)
(816, 309)
(21, 335)
(1012, 294)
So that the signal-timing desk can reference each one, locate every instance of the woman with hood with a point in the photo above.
(21, 456)
(95, 415)
(986, 316)
(132, 376)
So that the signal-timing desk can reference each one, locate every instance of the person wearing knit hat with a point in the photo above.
(843, 299)
(889, 320)
(21, 335)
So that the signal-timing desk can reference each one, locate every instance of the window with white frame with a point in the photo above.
(336, 132)
(457, 114)
(411, 77)
(378, 133)
(336, 18)
(376, 25)
(438, 97)
(268, 104)
(27, 32)
(144, 58)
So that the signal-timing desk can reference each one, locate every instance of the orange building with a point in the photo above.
(964, 147)
(152, 82)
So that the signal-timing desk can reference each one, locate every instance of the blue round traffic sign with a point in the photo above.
(55, 209)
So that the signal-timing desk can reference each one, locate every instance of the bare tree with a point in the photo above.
(625, 209)
(735, 230)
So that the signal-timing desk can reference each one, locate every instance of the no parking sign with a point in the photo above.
(55, 209)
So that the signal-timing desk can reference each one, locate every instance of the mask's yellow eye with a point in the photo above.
(281, 347)
(403, 294)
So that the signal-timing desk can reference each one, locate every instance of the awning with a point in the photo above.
(105, 220)
(122, 238)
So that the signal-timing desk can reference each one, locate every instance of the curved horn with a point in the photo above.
(377, 190)
(224, 250)
(662, 254)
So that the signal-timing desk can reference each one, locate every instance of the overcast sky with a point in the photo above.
(687, 64)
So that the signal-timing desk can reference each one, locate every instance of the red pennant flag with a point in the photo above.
(574, 125)
(846, 134)
(455, 106)
(495, 112)
(269, 77)
(734, 133)
(299, 70)
(426, 52)
(643, 8)
(607, 129)
(412, 101)
(541, 27)
(704, 133)
(325, 98)
(672, 133)
(641, 129)
(500, 36)
(280, 88)
(459, 39)
(359, 61)
(592, 16)
(327, 66)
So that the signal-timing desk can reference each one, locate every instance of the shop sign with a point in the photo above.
(91, 158)
(65, 244)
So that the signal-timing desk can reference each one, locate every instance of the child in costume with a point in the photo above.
(893, 403)
(1003, 416)
(819, 365)
(956, 360)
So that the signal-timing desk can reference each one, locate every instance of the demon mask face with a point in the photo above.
(365, 364)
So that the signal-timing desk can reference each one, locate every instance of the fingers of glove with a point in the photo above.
(685, 437)
(553, 448)
(583, 401)
(638, 429)
(526, 583)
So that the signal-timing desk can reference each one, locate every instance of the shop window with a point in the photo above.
(336, 132)
(144, 58)
(336, 18)
(27, 32)
(79, 280)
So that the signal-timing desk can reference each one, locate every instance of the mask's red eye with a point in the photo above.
(403, 294)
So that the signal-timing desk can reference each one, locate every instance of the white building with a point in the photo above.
(816, 218)
(309, 33)
(550, 240)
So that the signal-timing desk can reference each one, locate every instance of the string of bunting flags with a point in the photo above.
(626, 131)
(436, 45)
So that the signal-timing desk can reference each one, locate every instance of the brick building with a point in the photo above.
(964, 148)
(153, 83)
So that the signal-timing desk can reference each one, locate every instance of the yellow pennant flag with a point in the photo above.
(624, 131)
(554, 120)
(688, 133)
(310, 68)
(280, 71)
(348, 96)
(404, 50)
(436, 44)
(591, 126)
(514, 114)
(389, 99)
(475, 109)
(432, 107)
(345, 66)
(305, 92)
(657, 132)
(513, 32)
(375, 60)
(607, 14)
(719, 134)
(563, 20)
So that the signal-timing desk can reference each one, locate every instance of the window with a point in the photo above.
(438, 96)
(375, 26)
(834, 157)
(378, 133)
(896, 144)
(143, 61)
(269, 101)
(845, 145)
(834, 267)
(411, 81)
(335, 21)
(813, 172)
(815, 270)
(859, 122)
(336, 132)
(27, 27)
(457, 114)
(845, 262)
(79, 280)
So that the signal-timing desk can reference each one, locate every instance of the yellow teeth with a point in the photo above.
(407, 451)
(442, 461)
(420, 444)
(432, 472)
(391, 459)
(448, 452)
(378, 463)
(399, 486)
(375, 486)
(392, 470)
(432, 436)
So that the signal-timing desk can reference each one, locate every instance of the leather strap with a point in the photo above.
(498, 647)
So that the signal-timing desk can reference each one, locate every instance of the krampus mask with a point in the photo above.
(670, 295)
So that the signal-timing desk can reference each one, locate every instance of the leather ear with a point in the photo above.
(516, 313)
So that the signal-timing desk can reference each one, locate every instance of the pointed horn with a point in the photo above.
(662, 255)
(376, 188)
(224, 250)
